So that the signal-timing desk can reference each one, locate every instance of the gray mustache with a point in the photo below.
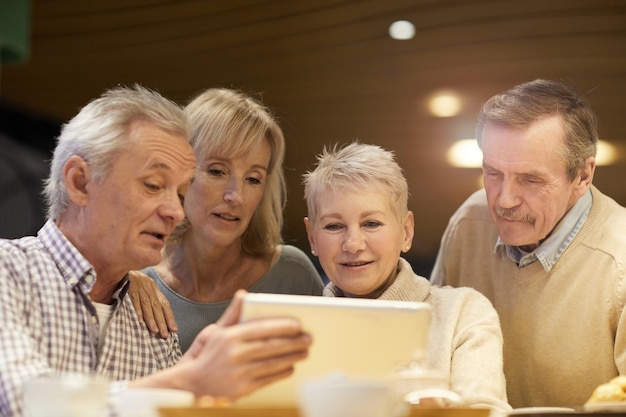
(513, 214)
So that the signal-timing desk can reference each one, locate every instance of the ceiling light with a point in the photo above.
(445, 104)
(402, 30)
(607, 153)
(465, 153)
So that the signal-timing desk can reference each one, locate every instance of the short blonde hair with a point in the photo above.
(356, 167)
(229, 123)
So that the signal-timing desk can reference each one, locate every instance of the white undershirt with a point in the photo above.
(104, 312)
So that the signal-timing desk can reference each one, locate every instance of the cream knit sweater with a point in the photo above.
(465, 340)
(564, 330)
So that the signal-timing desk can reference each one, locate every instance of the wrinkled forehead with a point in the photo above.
(155, 148)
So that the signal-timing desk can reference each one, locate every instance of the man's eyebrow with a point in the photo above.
(531, 173)
(159, 165)
(487, 166)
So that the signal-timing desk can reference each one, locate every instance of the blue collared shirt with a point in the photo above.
(549, 251)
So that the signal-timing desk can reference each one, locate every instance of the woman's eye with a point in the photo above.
(372, 224)
(153, 187)
(254, 181)
(332, 226)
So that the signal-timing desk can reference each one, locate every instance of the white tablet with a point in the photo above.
(360, 338)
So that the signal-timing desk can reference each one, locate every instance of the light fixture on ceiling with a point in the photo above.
(444, 104)
(607, 153)
(402, 30)
(465, 153)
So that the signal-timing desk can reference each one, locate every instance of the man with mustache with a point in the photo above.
(544, 245)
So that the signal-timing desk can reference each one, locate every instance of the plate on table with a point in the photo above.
(617, 406)
(293, 412)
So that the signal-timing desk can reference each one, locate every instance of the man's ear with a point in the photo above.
(585, 177)
(76, 175)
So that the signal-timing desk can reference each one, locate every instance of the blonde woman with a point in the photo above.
(231, 236)
(358, 225)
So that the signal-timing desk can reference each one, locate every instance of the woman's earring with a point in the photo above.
(313, 252)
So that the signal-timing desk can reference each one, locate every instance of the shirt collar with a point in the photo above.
(549, 251)
(74, 267)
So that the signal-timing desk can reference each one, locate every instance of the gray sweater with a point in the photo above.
(293, 273)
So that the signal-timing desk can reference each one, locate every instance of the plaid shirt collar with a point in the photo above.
(71, 263)
(74, 267)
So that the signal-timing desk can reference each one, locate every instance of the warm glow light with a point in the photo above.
(445, 105)
(402, 30)
(607, 153)
(465, 153)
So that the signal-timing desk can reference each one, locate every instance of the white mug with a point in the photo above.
(347, 398)
(145, 402)
(66, 395)
(415, 384)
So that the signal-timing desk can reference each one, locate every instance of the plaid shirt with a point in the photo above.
(48, 324)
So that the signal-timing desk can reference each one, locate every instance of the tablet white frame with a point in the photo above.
(360, 338)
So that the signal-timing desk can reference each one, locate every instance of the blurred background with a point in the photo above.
(332, 71)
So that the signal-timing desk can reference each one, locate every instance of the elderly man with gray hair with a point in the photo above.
(118, 175)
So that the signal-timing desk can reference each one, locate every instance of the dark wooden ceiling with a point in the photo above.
(331, 73)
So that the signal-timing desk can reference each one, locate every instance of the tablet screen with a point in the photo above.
(360, 338)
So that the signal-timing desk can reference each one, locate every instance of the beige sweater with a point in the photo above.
(564, 330)
(465, 340)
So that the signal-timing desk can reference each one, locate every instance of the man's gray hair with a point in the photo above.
(99, 133)
(528, 102)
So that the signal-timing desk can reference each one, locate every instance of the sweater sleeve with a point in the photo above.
(476, 366)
